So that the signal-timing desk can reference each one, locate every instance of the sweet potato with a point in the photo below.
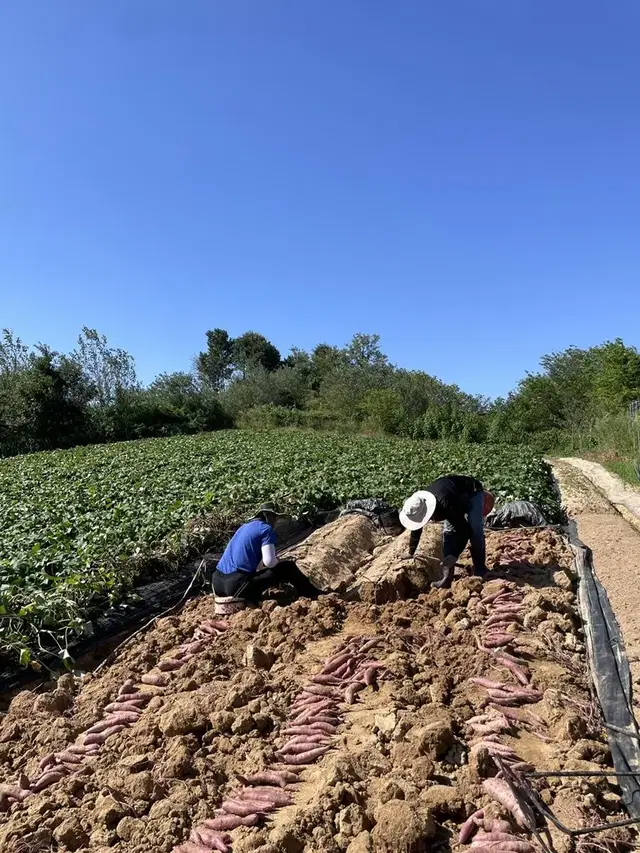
(323, 690)
(487, 683)
(270, 777)
(496, 825)
(305, 719)
(271, 794)
(311, 728)
(169, 665)
(190, 847)
(68, 757)
(78, 748)
(103, 736)
(335, 662)
(499, 791)
(513, 846)
(137, 699)
(47, 761)
(210, 838)
(306, 757)
(241, 808)
(496, 836)
(128, 687)
(15, 792)
(123, 706)
(371, 644)
(126, 717)
(470, 827)
(231, 821)
(47, 779)
(498, 640)
(298, 748)
(488, 599)
(370, 676)
(492, 727)
(154, 680)
(98, 727)
(352, 689)
(321, 678)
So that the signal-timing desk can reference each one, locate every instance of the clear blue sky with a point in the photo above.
(462, 177)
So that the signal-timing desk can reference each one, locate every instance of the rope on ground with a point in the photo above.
(111, 657)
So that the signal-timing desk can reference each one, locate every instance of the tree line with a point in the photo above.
(577, 401)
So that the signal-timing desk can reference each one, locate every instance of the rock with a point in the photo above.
(286, 840)
(22, 704)
(439, 691)
(385, 723)
(590, 750)
(481, 765)
(443, 800)
(258, 658)
(391, 790)
(416, 767)
(351, 821)
(53, 703)
(179, 758)
(71, 834)
(435, 740)
(185, 715)
(243, 723)
(131, 829)
(455, 615)
(534, 618)
(108, 810)
(139, 786)
(401, 826)
(360, 844)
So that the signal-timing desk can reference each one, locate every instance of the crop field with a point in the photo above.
(76, 526)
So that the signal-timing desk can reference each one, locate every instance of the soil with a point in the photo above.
(400, 774)
(622, 496)
(615, 545)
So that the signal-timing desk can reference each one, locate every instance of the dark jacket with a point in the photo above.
(452, 496)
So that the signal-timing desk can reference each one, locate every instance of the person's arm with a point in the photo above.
(414, 541)
(269, 556)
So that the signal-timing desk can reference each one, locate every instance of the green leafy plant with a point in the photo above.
(77, 527)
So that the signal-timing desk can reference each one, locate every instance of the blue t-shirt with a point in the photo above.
(244, 551)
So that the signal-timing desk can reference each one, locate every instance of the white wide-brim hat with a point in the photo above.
(417, 510)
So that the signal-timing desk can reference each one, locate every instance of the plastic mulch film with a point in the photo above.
(610, 672)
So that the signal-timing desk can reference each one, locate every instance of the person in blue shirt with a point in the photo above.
(237, 579)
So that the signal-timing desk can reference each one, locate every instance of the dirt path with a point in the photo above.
(625, 498)
(615, 545)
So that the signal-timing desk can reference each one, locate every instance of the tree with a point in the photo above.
(252, 351)
(14, 355)
(44, 406)
(109, 370)
(617, 377)
(215, 365)
(364, 351)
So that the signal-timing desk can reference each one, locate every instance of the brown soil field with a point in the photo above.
(382, 724)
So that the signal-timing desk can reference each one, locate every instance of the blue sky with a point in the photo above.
(461, 177)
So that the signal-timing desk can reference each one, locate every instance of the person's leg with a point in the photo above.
(476, 531)
(454, 540)
(288, 572)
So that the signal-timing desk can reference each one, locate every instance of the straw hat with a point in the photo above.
(417, 510)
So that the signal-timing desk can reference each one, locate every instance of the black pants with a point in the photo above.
(251, 587)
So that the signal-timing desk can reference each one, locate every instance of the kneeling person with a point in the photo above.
(237, 580)
(462, 503)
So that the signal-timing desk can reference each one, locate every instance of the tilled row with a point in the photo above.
(502, 714)
(314, 718)
(123, 712)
